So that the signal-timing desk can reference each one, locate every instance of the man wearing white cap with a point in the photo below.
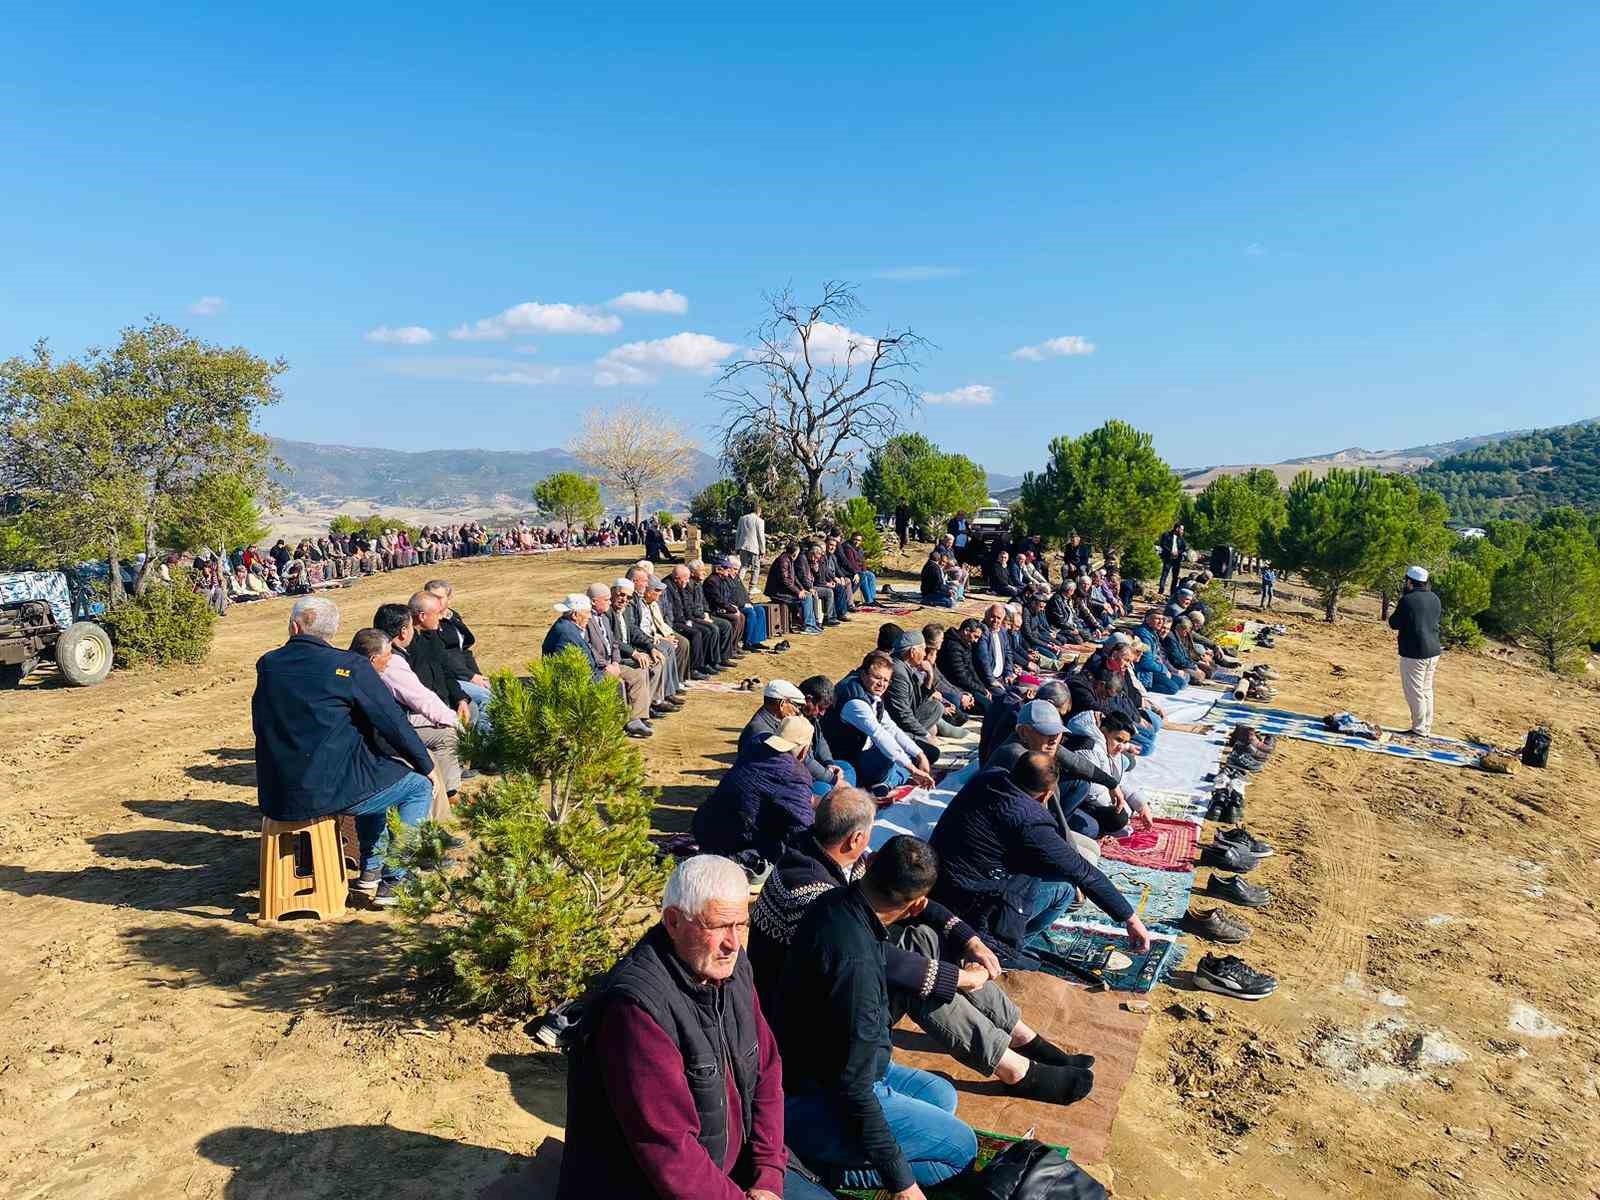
(1416, 619)
(646, 653)
(569, 632)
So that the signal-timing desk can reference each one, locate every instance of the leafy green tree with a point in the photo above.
(909, 469)
(1228, 512)
(1416, 535)
(1109, 485)
(170, 623)
(716, 510)
(857, 515)
(1549, 597)
(1274, 505)
(217, 512)
(104, 447)
(762, 468)
(562, 861)
(1338, 531)
(569, 496)
(1464, 593)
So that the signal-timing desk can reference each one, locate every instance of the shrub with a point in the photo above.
(1464, 592)
(170, 623)
(561, 856)
(858, 516)
(1219, 603)
(1549, 597)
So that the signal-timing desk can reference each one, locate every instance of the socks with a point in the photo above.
(1054, 1085)
(1042, 1050)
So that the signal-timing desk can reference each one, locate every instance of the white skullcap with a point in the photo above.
(575, 602)
(1419, 574)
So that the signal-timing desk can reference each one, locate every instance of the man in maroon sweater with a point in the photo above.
(675, 1089)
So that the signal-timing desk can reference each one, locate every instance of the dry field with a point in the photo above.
(1435, 935)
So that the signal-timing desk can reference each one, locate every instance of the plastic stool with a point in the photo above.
(284, 887)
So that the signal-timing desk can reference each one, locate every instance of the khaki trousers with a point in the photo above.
(1416, 680)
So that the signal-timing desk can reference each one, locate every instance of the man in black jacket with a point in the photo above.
(679, 608)
(315, 712)
(429, 657)
(938, 970)
(936, 589)
(1007, 869)
(458, 641)
(852, 1115)
(1173, 551)
(912, 703)
(1416, 617)
(725, 598)
(956, 664)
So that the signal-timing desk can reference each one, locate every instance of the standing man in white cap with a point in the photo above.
(1416, 618)
(570, 630)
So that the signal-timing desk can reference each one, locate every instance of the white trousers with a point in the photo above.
(1416, 680)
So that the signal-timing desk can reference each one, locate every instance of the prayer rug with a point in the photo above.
(1159, 897)
(890, 610)
(1306, 728)
(1073, 945)
(1173, 848)
(921, 810)
(1175, 804)
(989, 1145)
(717, 685)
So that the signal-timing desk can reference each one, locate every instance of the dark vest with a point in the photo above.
(846, 741)
(711, 1027)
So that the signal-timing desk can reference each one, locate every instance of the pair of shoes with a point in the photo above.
(1242, 837)
(1236, 891)
(1229, 856)
(638, 729)
(1217, 808)
(387, 895)
(1245, 760)
(1231, 810)
(1261, 691)
(657, 711)
(367, 883)
(1231, 976)
(1261, 671)
(1218, 926)
(786, 644)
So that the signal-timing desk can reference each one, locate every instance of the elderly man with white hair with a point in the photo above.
(675, 1086)
(570, 633)
(637, 685)
(639, 648)
(314, 709)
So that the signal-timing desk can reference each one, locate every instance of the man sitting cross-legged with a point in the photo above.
(314, 712)
(938, 969)
(860, 730)
(781, 700)
(851, 1114)
(674, 1087)
(911, 700)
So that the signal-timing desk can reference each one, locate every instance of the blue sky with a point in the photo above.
(1256, 230)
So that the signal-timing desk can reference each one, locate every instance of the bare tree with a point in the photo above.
(637, 451)
(826, 394)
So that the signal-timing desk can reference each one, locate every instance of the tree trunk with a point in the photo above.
(114, 593)
(813, 497)
(1383, 605)
(637, 500)
(141, 581)
(1330, 604)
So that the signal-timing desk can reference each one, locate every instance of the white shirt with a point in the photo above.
(892, 741)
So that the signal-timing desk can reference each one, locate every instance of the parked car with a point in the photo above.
(989, 528)
(51, 613)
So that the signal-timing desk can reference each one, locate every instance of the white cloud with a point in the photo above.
(401, 335)
(627, 363)
(208, 306)
(1061, 347)
(915, 274)
(974, 395)
(533, 317)
(667, 301)
(831, 344)
(526, 376)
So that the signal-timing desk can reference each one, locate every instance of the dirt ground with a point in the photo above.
(1434, 932)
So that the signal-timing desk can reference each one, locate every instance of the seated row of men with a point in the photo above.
(819, 579)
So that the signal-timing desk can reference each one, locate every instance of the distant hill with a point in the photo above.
(1521, 475)
(443, 480)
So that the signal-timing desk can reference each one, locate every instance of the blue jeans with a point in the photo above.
(411, 797)
(1048, 900)
(920, 1109)
(841, 599)
(822, 787)
(938, 601)
(869, 588)
(478, 700)
(755, 624)
(875, 767)
(808, 606)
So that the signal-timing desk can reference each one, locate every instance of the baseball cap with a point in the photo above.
(792, 734)
(782, 689)
(1042, 716)
(575, 602)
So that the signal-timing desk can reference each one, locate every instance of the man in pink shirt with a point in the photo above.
(434, 720)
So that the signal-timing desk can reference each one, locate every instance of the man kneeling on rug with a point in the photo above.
(938, 969)
(675, 1088)
(851, 1114)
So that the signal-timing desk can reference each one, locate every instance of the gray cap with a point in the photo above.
(1042, 716)
(654, 585)
(908, 640)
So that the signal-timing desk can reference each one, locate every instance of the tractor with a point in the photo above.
(51, 613)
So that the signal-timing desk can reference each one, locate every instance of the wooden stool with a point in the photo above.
(284, 888)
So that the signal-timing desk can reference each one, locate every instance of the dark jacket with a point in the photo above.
(564, 633)
(458, 642)
(678, 606)
(430, 660)
(717, 1031)
(725, 595)
(315, 712)
(602, 640)
(934, 584)
(781, 581)
(1173, 547)
(832, 1023)
(851, 559)
(999, 720)
(994, 838)
(762, 802)
(805, 873)
(908, 692)
(955, 661)
(1417, 619)
(998, 579)
(983, 657)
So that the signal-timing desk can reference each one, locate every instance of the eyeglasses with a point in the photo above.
(737, 928)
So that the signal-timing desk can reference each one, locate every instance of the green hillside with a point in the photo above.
(1521, 476)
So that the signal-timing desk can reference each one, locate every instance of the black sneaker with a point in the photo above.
(1229, 976)
(1227, 856)
(1242, 837)
(1215, 810)
(387, 895)
(1218, 926)
(1233, 811)
(1236, 891)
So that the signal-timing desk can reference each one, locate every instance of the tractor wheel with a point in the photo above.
(83, 653)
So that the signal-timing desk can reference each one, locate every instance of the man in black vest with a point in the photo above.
(675, 1088)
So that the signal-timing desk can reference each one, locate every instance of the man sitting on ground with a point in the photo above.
(313, 712)
(827, 772)
(570, 631)
(851, 1113)
(938, 970)
(1155, 672)
(991, 654)
(911, 701)
(1007, 869)
(999, 577)
(961, 702)
(861, 731)
(956, 663)
(674, 1087)
(762, 801)
(937, 591)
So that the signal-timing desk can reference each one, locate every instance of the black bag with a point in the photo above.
(1024, 1170)
(1536, 750)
